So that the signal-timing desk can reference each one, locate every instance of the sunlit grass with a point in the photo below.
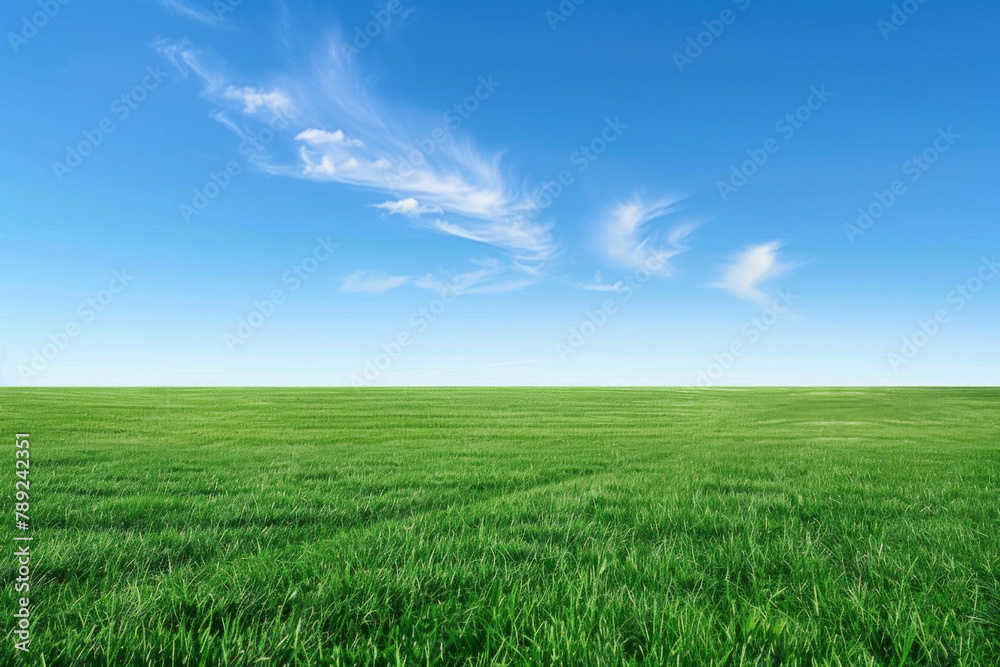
(511, 526)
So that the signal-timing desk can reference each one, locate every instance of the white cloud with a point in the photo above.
(337, 163)
(454, 179)
(491, 278)
(370, 282)
(468, 187)
(627, 239)
(502, 287)
(252, 99)
(248, 99)
(749, 269)
(600, 286)
(459, 283)
(324, 138)
(344, 135)
(409, 207)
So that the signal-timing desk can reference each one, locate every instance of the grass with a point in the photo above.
(510, 526)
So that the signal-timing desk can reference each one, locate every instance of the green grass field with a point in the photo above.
(509, 526)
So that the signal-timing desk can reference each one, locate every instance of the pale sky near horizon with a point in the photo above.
(201, 192)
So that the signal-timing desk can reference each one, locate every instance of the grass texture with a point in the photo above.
(489, 526)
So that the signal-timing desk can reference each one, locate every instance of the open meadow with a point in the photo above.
(509, 526)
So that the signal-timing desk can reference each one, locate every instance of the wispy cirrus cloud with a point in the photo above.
(192, 12)
(752, 267)
(629, 240)
(467, 186)
(531, 241)
(187, 59)
(491, 277)
(598, 285)
(345, 134)
(370, 282)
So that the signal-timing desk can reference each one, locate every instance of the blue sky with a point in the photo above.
(631, 193)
